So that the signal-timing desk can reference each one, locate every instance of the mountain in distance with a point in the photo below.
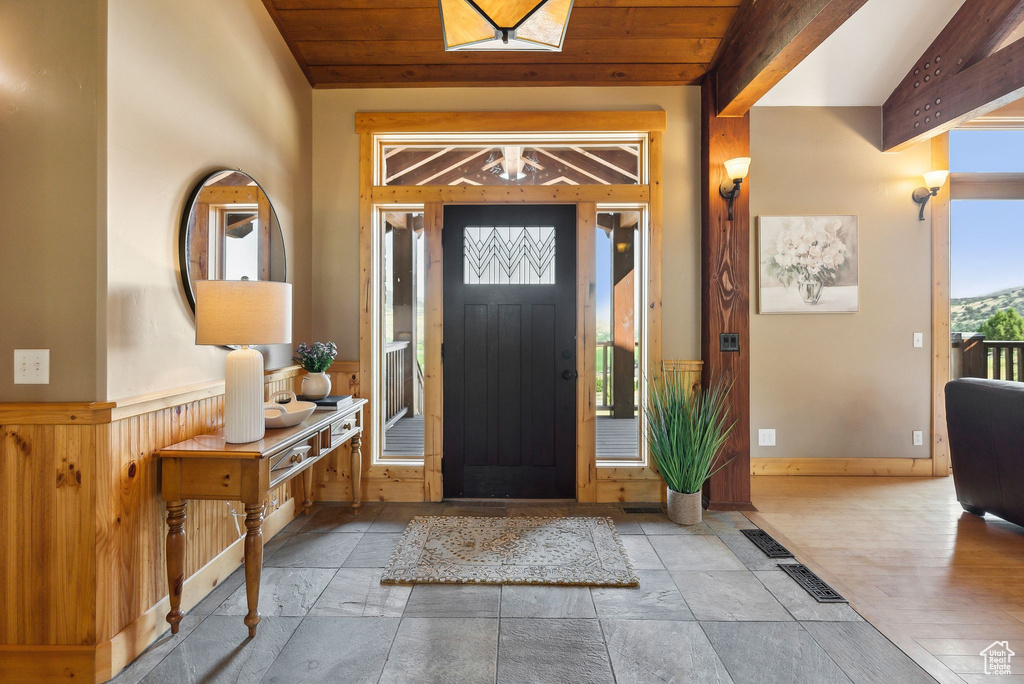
(967, 314)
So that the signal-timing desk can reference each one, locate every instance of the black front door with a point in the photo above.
(509, 351)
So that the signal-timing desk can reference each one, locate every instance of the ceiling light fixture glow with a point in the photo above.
(504, 24)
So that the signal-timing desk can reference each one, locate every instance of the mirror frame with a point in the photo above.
(186, 214)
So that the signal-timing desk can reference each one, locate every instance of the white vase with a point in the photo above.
(685, 509)
(316, 385)
(243, 396)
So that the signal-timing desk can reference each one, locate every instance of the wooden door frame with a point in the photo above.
(413, 482)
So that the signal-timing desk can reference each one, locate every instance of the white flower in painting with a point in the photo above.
(808, 249)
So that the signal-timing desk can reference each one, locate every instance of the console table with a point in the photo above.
(208, 467)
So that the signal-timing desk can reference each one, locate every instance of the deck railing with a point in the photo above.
(992, 359)
(605, 352)
(395, 403)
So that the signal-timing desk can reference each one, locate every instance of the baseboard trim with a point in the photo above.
(858, 467)
(130, 642)
(46, 663)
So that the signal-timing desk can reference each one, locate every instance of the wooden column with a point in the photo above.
(433, 335)
(624, 334)
(940, 311)
(725, 294)
(404, 293)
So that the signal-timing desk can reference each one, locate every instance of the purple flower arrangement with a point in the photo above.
(316, 358)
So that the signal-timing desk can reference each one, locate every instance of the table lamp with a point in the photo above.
(243, 312)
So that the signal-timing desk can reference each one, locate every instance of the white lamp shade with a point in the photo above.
(737, 168)
(935, 179)
(243, 312)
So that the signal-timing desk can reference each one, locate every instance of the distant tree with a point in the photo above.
(1004, 325)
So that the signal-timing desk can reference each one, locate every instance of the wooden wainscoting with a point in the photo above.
(82, 581)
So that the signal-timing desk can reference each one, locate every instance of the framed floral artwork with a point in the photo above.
(808, 264)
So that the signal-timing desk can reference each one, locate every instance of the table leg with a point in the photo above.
(253, 562)
(175, 560)
(307, 489)
(357, 469)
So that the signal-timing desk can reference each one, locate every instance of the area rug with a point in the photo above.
(510, 550)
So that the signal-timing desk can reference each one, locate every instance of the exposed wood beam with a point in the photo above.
(443, 75)
(509, 122)
(960, 75)
(596, 51)
(768, 39)
(605, 162)
(577, 169)
(399, 23)
(725, 296)
(418, 164)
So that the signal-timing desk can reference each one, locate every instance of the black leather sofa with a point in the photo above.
(986, 444)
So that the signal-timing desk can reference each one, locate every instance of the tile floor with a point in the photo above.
(710, 608)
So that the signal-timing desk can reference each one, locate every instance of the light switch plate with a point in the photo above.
(766, 437)
(918, 438)
(918, 339)
(31, 366)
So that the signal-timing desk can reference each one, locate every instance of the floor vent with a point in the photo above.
(812, 584)
(767, 543)
(642, 510)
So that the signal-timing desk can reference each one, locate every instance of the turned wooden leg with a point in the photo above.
(307, 489)
(357, 469)
(175, 560)
(253, 562)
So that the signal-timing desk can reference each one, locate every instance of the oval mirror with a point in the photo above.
(229, 231)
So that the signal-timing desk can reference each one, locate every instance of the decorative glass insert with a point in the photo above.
(509, 255)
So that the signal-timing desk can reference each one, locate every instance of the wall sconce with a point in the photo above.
(736, 170)
(933, 180)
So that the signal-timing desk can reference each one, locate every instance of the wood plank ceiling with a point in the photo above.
(377, 43)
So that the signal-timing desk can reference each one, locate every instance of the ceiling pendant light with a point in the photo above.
(504, 24)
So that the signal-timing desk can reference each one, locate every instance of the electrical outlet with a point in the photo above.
(918, 438)
(766, 437)
(729, 342)
(31, 366)
(918, 339)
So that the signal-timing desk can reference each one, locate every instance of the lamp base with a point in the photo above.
(243, 396)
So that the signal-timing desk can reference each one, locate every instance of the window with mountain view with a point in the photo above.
(987, 256)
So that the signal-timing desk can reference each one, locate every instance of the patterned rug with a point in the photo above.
(510, 550)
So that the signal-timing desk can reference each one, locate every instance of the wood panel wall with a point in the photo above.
(82, 527)
(725, 294)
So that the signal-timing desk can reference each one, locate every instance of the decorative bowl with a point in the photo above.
(291, 412)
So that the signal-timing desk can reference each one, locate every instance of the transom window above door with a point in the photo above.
(513, 162)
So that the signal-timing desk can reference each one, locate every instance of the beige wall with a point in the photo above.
(51, 81)
(194, 86)
(843, 385)
(336, 192)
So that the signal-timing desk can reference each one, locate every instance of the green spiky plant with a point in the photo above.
(686, 429)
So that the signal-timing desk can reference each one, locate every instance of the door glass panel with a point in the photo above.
(509, 255)
(618, 272)
(402, 367)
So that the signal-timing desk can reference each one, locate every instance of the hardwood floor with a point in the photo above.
(942, 584)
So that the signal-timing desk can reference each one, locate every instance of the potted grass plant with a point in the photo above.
(686, 428)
